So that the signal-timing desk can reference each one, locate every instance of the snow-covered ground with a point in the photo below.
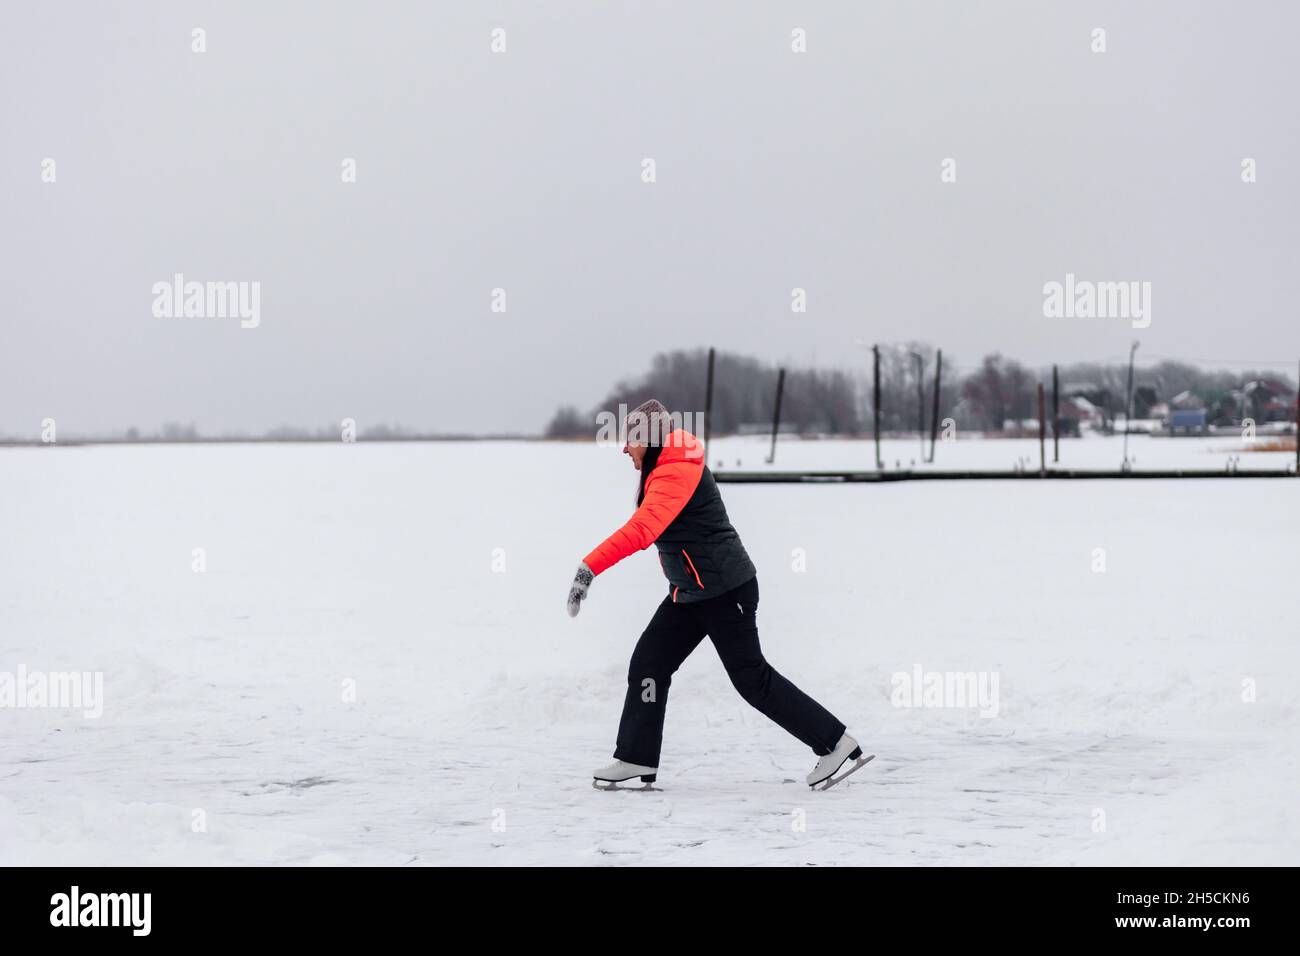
(1145, 713)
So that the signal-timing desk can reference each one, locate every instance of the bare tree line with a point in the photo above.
(838, 401)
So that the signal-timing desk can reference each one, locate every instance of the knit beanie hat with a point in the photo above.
(650, 423)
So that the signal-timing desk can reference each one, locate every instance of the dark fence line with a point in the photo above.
(840, 477)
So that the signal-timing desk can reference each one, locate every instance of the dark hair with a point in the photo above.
(648, 462)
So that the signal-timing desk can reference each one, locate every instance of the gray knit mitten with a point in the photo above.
(578, 589)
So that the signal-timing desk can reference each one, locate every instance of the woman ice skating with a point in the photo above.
(713, 592)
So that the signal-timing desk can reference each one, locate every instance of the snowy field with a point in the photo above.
(376, 667)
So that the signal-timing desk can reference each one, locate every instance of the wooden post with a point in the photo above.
(1128, 404)
(776, 415)
(1042, 432)
(934, 418)
(1056, 416)
(920, 403)
(875, 351)
(708, 403)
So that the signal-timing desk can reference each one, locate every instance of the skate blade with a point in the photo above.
(608, 785)
(834, 779)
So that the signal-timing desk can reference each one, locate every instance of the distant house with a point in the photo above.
(1188, 421)
(1092, 399)
(1187, 414)
(1271, 399)
(1185, 401)
(1077, 413)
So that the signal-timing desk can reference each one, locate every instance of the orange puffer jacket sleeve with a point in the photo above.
(667, 491)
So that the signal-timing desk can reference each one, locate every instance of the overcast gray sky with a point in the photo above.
(522, 170)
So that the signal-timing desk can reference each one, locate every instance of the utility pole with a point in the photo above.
(934, 418)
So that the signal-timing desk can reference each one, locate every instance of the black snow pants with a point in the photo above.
(729, 620)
